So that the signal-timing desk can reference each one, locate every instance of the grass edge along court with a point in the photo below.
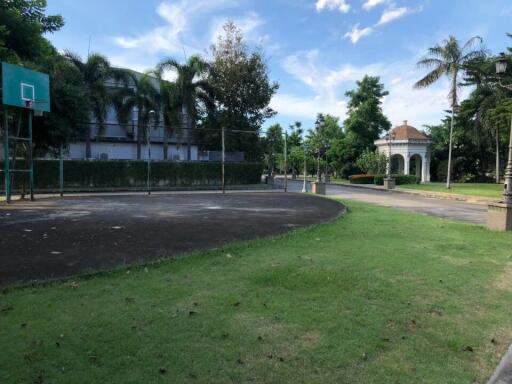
(377, 296)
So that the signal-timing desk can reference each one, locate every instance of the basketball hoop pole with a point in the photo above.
(6, 159)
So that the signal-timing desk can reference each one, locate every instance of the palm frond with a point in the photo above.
(431, 77)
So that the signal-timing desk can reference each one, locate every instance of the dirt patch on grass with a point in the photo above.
(458, 261)
(504, 282)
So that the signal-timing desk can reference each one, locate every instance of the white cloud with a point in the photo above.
(369, 4)
(331, 5)
(390, 15)
(357, 34)
(329, 84)
(307, 107)
(167, 38)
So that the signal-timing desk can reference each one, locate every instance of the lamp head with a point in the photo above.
(501, 64)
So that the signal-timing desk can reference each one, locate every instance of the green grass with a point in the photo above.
(379, 296)
(470, 189)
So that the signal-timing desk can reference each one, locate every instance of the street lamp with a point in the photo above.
(501, 68)
(499, 215)
(389, 182)
(318, 175)
(390, 136)
(305, 186)
(286, 160)
(148, 142)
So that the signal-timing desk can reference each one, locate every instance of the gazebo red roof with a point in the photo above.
(406, 132)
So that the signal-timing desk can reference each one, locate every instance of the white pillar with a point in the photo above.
(425, 169)
(407, 161)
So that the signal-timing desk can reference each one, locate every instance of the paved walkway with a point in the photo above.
(449, 209)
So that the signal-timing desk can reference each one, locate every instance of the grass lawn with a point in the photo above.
(472, 189)
(379, 296)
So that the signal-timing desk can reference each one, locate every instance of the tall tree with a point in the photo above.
(449, 59)
(274, 145)
(242, 88)
(192, 86)
(23, 24)
(364, 124)
(95, 71)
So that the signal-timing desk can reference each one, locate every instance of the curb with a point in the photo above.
(503, 373)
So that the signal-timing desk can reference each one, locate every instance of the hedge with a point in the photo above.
(361, 179)
(399, 179)
(132, 174)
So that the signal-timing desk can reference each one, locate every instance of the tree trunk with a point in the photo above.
(185, 121)
(497, 155)
(88, 142)
(449, 171)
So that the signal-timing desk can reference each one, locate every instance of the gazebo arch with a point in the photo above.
(397, 164)
(412, 146)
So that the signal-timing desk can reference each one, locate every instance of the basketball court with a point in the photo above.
(53, 238)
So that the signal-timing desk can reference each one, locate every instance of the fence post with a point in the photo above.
(61, 171)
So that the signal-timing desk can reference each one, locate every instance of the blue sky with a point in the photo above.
(315, 49)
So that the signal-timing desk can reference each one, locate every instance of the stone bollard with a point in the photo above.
(318, 188)
(389, 183)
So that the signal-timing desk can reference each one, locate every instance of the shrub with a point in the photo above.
(361, 179)
(372, 162)
(132, 174)
(399, 179)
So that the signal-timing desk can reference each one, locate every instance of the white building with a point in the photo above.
(409, 151)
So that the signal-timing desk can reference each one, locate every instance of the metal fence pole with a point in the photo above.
(30, 155)
(223, 161)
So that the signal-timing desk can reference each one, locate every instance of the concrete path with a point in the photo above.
(448, 209)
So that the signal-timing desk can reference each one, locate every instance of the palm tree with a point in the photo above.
(96, 72)
(170, 107)
(191, 85)
(140, 94)
(449, 59)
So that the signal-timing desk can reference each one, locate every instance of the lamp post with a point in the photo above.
(305, 186)
(318, 174)
(318, 187)
(499, 216)
(148, 142)
(285, 160)
(389, 182)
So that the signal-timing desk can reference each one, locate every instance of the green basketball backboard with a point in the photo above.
(25, 88)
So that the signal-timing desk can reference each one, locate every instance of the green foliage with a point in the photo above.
(107, 175)
(22, 25)
(273, 145)
(68, 104)
(372, 162)
(364, 124)
(399, 179)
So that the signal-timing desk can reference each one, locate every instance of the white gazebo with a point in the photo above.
(409, 151)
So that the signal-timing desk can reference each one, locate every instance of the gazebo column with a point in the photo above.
(407, 163)
(425, 169)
